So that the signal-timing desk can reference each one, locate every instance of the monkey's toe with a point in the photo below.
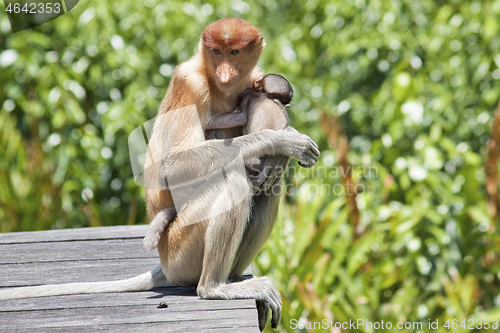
(264, 313)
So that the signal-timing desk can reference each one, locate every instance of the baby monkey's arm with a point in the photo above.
(228, 120)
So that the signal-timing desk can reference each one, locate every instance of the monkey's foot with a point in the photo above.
(268, 298)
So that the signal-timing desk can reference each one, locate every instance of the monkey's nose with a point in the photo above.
(225, 78)
(224, 73)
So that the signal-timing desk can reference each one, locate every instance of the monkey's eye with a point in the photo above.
(217, 52)
(235, 52)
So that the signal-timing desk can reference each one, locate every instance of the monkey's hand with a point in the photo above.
(241, 112)
(266, 171)
(300, 146)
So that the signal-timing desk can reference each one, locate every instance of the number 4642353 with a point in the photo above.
(34, 8)
(472, 324)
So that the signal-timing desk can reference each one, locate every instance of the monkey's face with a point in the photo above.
(230, 64)
(232, 48)
(227, 65)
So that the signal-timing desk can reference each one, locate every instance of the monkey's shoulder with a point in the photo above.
(191, 75)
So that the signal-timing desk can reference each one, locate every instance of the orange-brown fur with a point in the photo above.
(193, 83)
(231, 33)
(232, 226)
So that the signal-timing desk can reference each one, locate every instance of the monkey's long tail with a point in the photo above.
(141, 282)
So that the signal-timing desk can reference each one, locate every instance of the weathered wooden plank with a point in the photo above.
(178, 299)
(32, 274)
(103, 254)
(122, 231)
(208, 325)
(117, 315)
(73, 271)
(74, 250)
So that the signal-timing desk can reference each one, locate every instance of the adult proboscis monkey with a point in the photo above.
(263, 107)
(212, 252)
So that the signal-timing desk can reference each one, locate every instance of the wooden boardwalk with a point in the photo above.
(101, 254)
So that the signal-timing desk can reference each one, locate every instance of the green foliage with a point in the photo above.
(414, 84)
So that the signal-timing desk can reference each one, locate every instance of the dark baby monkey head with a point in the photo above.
(276, 87)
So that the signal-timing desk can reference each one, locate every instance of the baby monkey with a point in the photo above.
(260, 108)
(275, 87)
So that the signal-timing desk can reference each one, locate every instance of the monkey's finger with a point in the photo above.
(263, 176)
(276, 314)
(258, 182)
(274, 324)
(303, 164)
(308, 160)
(306, 163)
(315, 148)
(277, 177)
(312, 145)
(312, 154)
(276, 318)
(277, 172)
(310, 149)
(264, 313)
(270, 180)
(276, 305)
(267, 183)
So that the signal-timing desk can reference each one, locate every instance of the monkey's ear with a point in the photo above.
(259, 40)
